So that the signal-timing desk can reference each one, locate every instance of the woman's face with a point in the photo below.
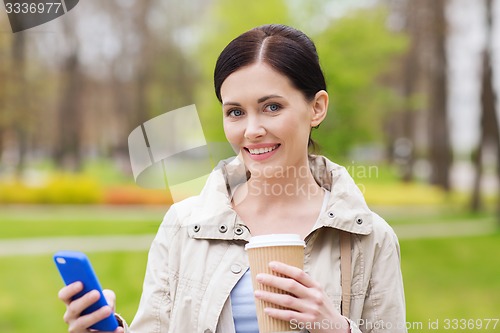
(267, 119)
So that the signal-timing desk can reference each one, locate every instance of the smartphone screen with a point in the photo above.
(75, 266)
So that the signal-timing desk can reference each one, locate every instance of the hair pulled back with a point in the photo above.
(287, 50)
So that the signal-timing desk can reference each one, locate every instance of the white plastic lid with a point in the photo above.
(275, 240)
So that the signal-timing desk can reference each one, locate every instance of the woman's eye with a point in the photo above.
(235, 113)
(273, 107)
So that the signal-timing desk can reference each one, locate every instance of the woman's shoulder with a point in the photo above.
(381, 227)
(213, 199)
(382, 235)
(180, 211)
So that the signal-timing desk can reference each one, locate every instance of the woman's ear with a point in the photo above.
(319, 108)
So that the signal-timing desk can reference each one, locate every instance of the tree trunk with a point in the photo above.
(69, 123)
(489, 128)
(440, 150)
(411, 69)
(143, 76)
(20, 108)
(490, 132)
(477, 159)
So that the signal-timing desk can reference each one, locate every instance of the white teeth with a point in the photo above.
(259, 151)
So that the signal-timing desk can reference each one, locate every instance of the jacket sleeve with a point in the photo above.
(122, 322)
(384, 307)
(153, 315)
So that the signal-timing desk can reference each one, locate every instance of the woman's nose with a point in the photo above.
(254, 128)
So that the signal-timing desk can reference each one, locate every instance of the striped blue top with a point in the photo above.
(243, 305)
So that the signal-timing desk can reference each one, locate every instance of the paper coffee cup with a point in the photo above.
(286, 248)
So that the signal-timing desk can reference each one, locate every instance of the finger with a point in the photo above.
(76, 307)
(284, 283)
(283, 300)
(66, 294)
(288, 315)
(110, 297)
(84, 322)
(293, 272)
(294, 318)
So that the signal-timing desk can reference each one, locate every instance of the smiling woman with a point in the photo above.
(273, 94)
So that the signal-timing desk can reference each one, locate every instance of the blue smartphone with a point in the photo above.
(75, 266)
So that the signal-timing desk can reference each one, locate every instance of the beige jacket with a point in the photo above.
(198, 256)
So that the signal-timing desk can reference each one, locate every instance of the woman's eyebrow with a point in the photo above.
(231, 103)
(265, 98)
(260, 100)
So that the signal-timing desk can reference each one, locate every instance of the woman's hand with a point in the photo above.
(307, 303)
(77, 323)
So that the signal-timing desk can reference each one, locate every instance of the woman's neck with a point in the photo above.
(280, 190)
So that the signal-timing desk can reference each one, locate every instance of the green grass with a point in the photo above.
(29, 286)
(454, 278)
(54, 220)
(430, 214)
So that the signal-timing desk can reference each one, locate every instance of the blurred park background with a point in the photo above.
(414, 117)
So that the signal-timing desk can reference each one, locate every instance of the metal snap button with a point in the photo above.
(331, 215)
(238, 231)
(359, 220)
(235, 268)
(222, 228)
(196, 228)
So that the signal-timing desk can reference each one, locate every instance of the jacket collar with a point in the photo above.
(346, 208)
(214, 218)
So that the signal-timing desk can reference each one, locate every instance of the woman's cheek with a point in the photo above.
(234, 134)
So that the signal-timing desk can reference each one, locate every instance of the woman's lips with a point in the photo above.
(259, 153)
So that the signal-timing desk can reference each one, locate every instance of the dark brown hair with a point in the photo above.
(287, 50)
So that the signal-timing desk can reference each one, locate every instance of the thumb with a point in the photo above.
(110, 298)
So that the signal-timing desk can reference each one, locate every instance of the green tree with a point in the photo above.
(355, 52)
